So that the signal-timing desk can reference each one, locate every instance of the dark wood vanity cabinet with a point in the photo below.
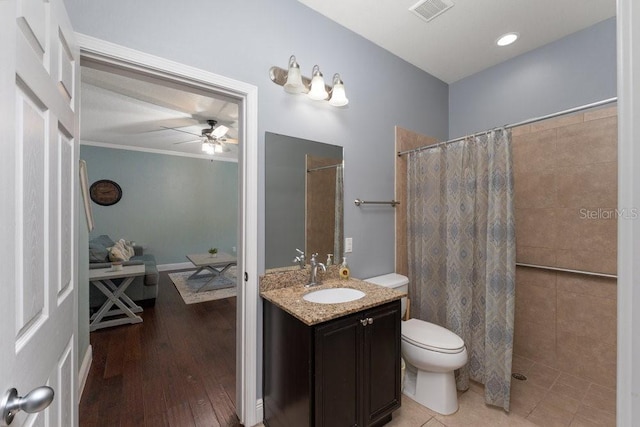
(344, 372)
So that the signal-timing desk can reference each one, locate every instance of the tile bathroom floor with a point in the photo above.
(547, 398)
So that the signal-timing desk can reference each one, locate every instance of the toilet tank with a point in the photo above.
(395, 281)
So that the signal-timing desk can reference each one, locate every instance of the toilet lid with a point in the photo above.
(431, 337)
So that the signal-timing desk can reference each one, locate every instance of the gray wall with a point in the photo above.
(576, 70)
(243, 39)
(170, 204)
(285, 188)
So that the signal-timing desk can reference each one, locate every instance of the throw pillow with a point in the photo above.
(120, 251)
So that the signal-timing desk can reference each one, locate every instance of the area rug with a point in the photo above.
(223, 286)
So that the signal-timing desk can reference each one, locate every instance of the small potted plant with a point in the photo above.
(213, 252)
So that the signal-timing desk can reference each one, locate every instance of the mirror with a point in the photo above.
(303, 199)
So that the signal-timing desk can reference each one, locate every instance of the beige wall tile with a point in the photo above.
(601, 287)
(588, 260)
(600, 113)
(536, 227)
(534, 152)
(585, 315)
(557, 122)
(535, 256)
(534, 342)
(590, 186)
(588, 143)
(536, 304)
(589, 358)
(535, 190)
(576, 233)
(520, 130)
(536, 276)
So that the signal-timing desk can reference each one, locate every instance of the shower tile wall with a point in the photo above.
(565, 173)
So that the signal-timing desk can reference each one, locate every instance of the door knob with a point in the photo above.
(35, 401)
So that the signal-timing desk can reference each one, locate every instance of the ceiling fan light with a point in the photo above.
(294, 83)
(317, 91)
(208, 148)
(338, 94)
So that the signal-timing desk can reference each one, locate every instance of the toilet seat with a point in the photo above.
(431, 337)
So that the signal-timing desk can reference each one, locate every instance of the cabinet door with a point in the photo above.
(381, 376)
(338, 358)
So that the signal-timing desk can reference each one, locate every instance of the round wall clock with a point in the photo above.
(105, 192)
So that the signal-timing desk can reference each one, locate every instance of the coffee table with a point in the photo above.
(102, 278)
(216, 266)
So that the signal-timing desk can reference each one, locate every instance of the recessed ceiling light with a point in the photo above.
(507, 39)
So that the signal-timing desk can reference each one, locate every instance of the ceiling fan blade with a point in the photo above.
(187, 142)
(180, 130)
(228, 140)
(220, 131)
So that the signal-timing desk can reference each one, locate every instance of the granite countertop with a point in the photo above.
(289, 298)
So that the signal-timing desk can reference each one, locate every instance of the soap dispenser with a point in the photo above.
(344, 269)
(329, 260)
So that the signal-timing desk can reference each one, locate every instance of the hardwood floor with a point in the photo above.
(176, 368)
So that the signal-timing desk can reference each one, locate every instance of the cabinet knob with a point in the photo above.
(364, 322)
(370, 320)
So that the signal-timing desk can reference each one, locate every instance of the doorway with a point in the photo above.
(100, 54)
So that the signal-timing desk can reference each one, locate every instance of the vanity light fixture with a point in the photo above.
(315, 87)
(507, 39)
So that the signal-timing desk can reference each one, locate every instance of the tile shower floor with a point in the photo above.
(547, 398)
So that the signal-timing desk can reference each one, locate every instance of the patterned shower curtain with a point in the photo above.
(461, 238)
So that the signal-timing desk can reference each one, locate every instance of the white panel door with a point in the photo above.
(39, 66)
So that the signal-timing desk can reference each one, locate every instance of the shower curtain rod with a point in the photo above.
(522, 123)
(319, 168)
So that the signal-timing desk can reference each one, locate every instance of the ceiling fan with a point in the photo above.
(213, 138)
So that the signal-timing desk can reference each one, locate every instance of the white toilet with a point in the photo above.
(431, 353)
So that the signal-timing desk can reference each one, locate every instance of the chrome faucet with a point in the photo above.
(300, 260)
(313, 279)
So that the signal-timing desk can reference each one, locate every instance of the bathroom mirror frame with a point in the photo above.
(286, 196)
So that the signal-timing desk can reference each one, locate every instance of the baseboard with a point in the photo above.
(260, 411)
(84, 371)
(177, 266)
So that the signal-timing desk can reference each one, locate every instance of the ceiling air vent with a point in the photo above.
(429, 9)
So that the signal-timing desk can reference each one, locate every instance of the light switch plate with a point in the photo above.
(348, 245)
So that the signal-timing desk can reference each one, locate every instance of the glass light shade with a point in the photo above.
(218, 148)
(208, 148)
(294, 80)
(338, 94)
(317, 91)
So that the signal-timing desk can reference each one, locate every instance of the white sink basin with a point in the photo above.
(333, 296)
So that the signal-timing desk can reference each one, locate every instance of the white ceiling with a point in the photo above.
(461, 41)
(125, 111)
